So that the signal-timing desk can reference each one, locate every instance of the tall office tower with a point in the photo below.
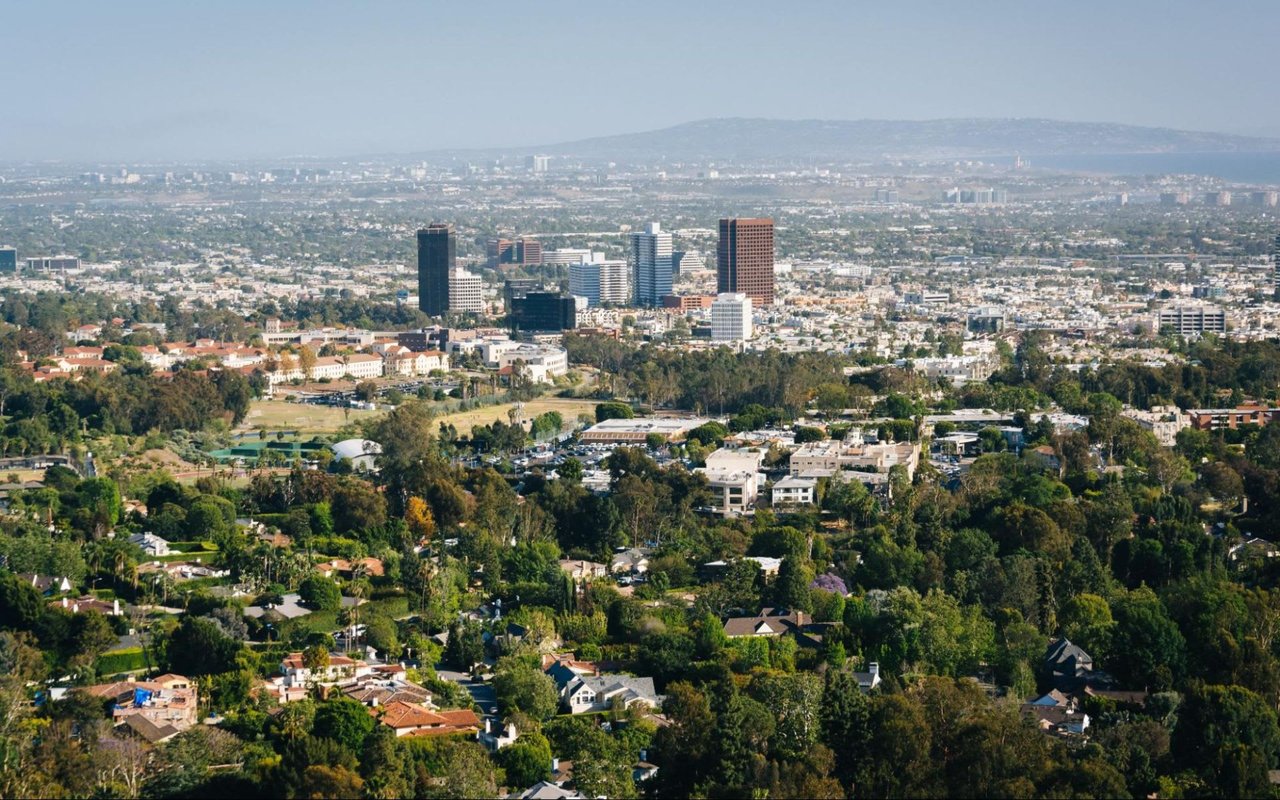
(651, 265)
(437, 253)
(744, 259)
(498, 251)
(1275, 264)
(8, 259)
(731, 318)
(537, 164)
(466, 292)
(527, 252)
(600, 282)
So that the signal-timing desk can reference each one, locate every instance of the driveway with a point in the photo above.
(480, 691)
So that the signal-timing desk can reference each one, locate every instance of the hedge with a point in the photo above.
(129, 659)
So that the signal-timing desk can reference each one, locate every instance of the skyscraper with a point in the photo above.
(437, 253)
(1275, 264)
(651, 265)
(8, 259)
(744, 259)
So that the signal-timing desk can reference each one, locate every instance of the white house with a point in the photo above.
(795, 491)
(151, 544)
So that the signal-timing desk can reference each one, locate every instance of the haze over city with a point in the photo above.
(156, 80)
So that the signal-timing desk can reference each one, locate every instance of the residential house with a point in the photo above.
(547, 790)
(164, 700)
(1057, 713)
(769, 622)
(340, 668)
(151, 544)
(46, 584)
(584, 570)
(81, 605)
(793, 491)
(632, 561)
(493, 737)
(589, 693)
(410, 719)
(870, 679)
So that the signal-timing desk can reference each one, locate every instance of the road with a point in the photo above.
(480, 691)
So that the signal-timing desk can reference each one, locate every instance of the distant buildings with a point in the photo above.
(538, 164)
(686, 261)
(744, 259)
(600, 282)
(437, 255)
(522, 251)
(8, 259)
(1191, 321)
(981, 197)
(52, 263)
(651, 265)
(731, 318)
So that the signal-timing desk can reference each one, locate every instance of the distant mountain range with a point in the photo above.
(770, 139)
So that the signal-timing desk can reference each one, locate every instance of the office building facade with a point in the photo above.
(8, 259)
(600, 282)
(466, 292)
(731, 318)
(1191, 320)
(437, 256)
(651, 265)
(544, 311)
(744, 259)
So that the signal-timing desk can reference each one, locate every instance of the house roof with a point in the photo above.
(149, 730)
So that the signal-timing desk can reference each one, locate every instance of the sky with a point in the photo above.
(149, 80)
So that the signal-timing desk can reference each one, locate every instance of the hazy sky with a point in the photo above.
(124, 79)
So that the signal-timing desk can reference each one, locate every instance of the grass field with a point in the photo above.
(277, 415)
(568, 408)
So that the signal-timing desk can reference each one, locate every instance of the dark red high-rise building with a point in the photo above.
(744, 259)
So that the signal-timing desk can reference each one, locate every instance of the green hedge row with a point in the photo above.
(127, 660)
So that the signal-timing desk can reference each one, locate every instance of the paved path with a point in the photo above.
(480, 691)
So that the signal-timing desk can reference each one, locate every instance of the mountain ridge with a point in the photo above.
(758, 138)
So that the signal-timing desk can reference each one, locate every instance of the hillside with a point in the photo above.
(755, 139)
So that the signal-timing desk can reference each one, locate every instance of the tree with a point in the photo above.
(613, 410)
(199, 647)
(844, 722)
(345, 721)
(524, 688)
(1226, 729)
(1147, 647)
(419, 519)
(527, 761)
(320, 593)
(792, 588)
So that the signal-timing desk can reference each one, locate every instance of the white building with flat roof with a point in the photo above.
(466, 292)
(731, 318)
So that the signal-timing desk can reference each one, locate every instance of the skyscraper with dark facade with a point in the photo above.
(437, 253)
(744, 259)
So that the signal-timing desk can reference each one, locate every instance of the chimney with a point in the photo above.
(555, 764)
(874, 669)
